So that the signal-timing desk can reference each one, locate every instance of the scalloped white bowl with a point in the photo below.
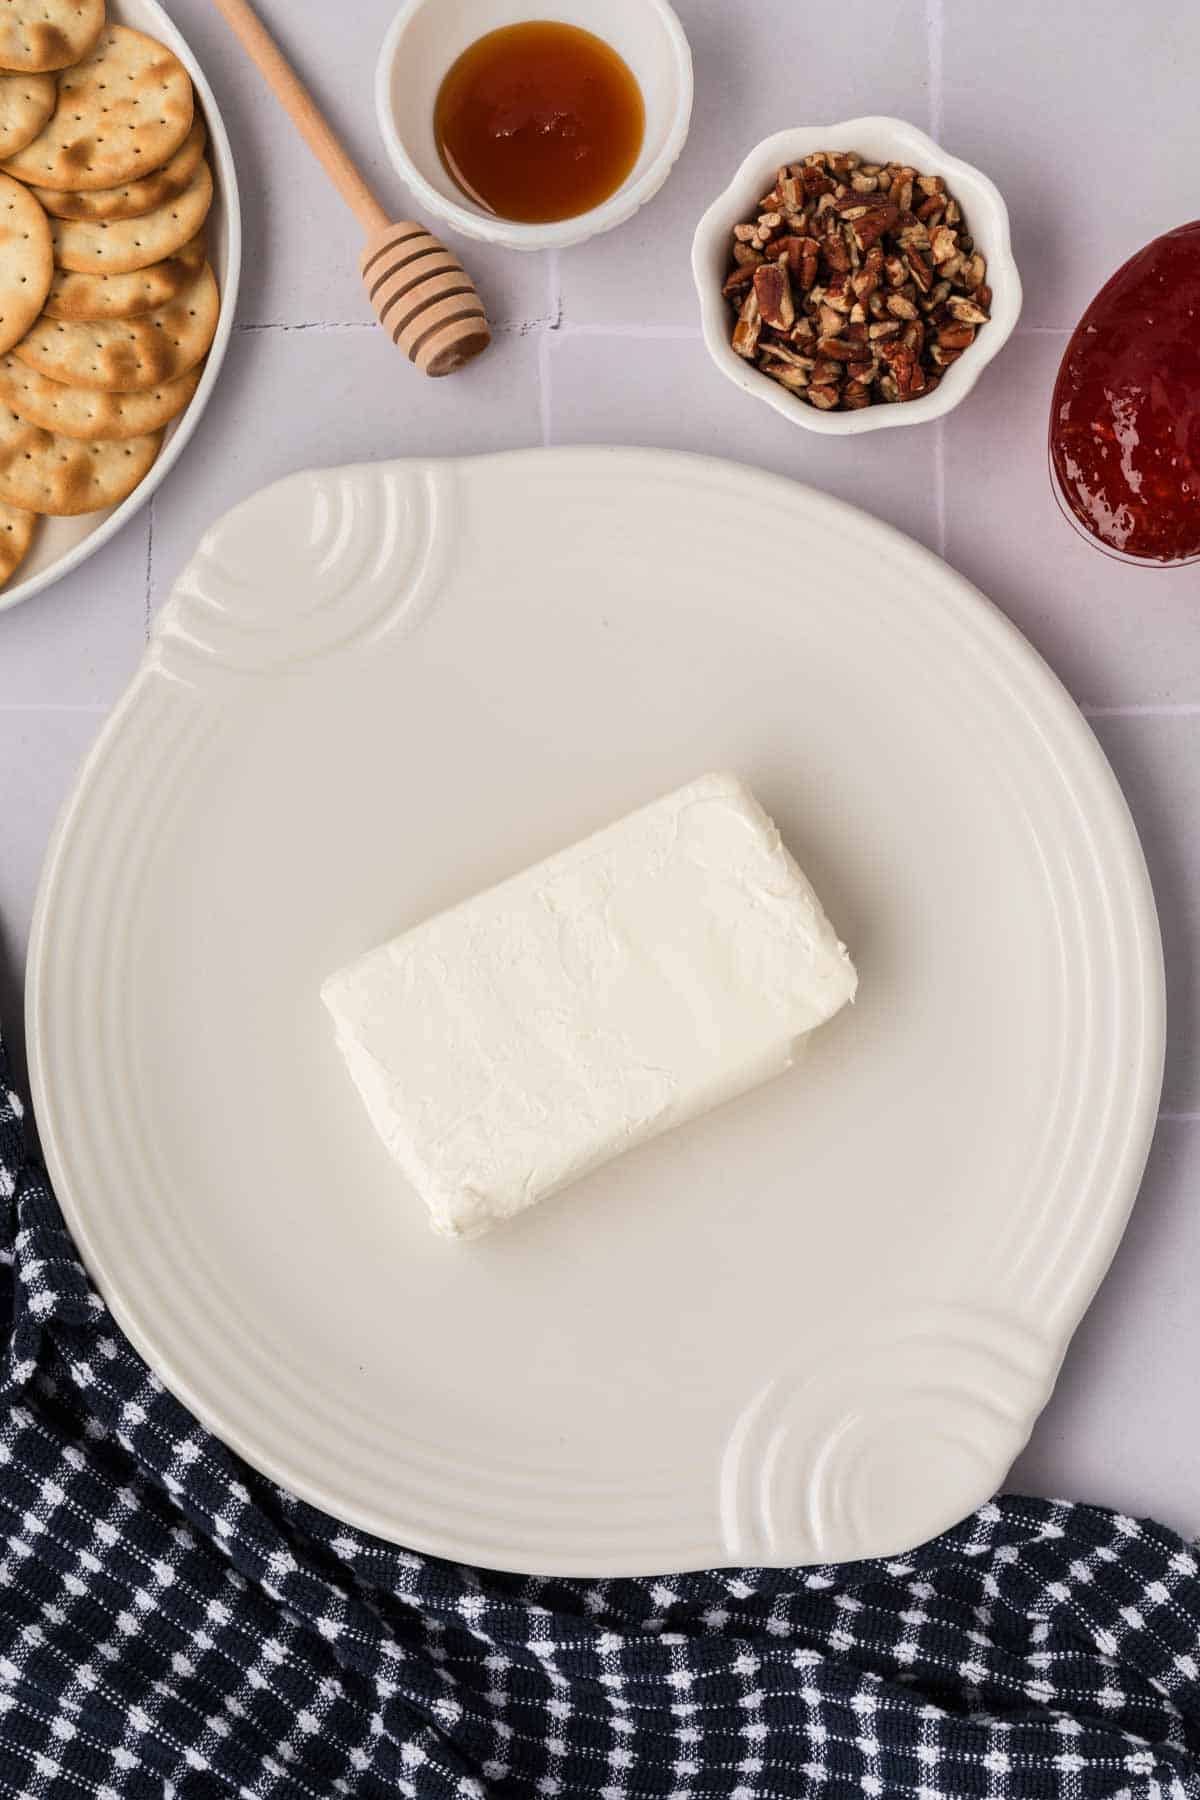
(427, 36)
(877, 139)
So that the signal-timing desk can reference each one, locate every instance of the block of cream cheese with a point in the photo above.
(621, 987)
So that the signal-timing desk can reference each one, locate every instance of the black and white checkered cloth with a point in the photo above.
(173, 1627)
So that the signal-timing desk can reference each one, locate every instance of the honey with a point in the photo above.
(539, 121)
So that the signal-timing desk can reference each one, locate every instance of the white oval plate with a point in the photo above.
(60, 545)
(820, 1323)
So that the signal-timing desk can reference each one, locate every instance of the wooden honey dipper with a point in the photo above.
(423, 296)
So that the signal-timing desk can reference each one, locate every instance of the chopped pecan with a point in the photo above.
(773, 291)
(944, 243)
(956, 337)
(824, 397)
(748, 328)
(738, 280)
(967, 312)
(901, 307)
(835, 252)
(841, 348)
(870, 227)
(747, 256)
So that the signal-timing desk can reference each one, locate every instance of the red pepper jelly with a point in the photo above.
(1125, 418)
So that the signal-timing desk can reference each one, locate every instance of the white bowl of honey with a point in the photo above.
(534, 129)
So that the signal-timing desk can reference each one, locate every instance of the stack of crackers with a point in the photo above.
(108, 304)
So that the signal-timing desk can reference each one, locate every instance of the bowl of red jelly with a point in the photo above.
(1125, 416)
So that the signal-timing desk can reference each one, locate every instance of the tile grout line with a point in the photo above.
(619, 328)
(1164, 709)
(553, 322)
(935, 25)
(935, 35)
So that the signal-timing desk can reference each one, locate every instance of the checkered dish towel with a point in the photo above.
(173, 1626)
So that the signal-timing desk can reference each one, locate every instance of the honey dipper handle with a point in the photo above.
(303, 111)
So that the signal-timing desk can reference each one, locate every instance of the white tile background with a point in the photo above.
(601, 344)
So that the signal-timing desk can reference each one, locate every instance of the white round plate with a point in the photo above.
(60, 545)
(818, 1324)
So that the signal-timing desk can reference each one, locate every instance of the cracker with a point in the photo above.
(120, 356)
(117, 247)
(86, 413)
(48, 473)
(26, 102)
(48, 34)
(16, 535)
(127, 296)
(135, 197)
(122, 111)
(26, 261)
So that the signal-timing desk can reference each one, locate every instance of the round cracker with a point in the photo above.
(120, 246)
(48, 34)
(134, 198)
(16, 534)
(120, 356)
(127, 296)
(87, 414)
(26, 102)
(26, 261)
(48, 473)
(122, 111)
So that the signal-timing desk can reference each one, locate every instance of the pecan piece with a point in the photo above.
(737, 281)
(773, 291)
(788, 377)
(944, 243)
(749, 326)
(901, 307)
(906, 371)
(835, 252)
(824, 397)
(841, 348)
(747, 256)
(874, 222)
(966, 311)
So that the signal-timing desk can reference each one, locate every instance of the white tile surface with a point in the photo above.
(78, 643)
(1070, 108)
(1157, 760)
(600, 344)
(665, 391)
